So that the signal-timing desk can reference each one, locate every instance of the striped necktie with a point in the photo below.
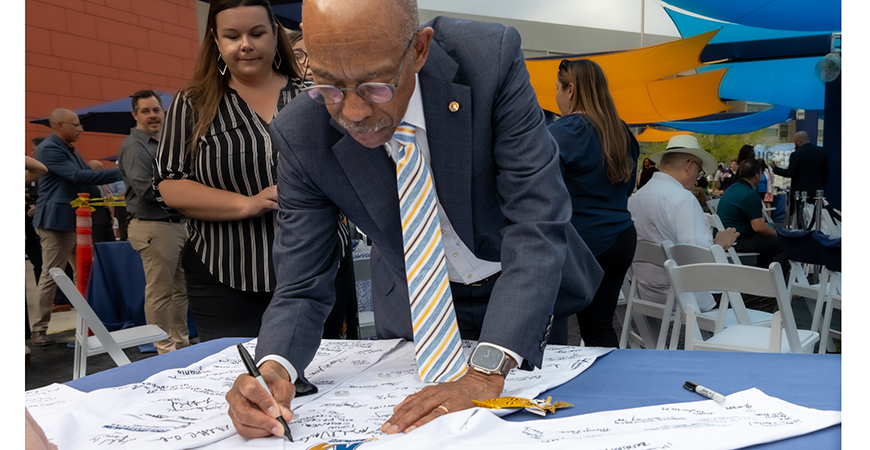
(437, 345)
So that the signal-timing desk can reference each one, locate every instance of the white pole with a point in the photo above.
(642, 18)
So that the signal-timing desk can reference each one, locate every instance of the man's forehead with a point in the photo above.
(360, 59)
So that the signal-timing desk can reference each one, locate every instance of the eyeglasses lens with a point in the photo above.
(375, 93)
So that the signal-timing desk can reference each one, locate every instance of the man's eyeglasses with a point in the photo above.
(701, 173)
(76, 125)
(301, 57)
(372, 92)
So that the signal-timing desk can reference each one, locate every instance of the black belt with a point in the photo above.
(168, 219)
(492, 277)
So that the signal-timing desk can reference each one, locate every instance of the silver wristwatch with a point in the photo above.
(490, 360)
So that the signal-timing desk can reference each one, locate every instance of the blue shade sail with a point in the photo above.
(783, 82)
(740, 125)
(729, 32)
(803, 15)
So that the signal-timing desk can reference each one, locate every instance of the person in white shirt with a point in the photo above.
(665, 209)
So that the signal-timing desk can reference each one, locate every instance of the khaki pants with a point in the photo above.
(160, 244)
(58, 248)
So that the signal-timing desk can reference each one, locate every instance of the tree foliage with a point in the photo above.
(723, 147)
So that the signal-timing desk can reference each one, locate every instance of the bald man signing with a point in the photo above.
(516, 266)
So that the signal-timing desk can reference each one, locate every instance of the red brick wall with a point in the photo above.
(84, 52)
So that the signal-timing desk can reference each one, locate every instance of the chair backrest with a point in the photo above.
(89, 317)
(742, 279)
(650, 252)
(713, 204)
(646, 252)
(829, 225)
(685, 254)
(715, 223)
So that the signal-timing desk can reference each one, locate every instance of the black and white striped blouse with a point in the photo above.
(235, 155)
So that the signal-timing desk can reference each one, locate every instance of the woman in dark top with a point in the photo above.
(215, 164)
(599, 156)
(649, 168)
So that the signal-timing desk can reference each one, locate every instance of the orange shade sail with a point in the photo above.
(671, 99)
(656, 135)
(636, 74)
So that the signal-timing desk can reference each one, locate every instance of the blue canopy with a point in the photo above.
(729, 32)
(785, 82)
(740, 125)
(806, 15)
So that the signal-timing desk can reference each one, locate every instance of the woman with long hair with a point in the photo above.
(599, 156)
(215, 164)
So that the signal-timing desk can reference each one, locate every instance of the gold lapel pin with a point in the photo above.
(454, 106)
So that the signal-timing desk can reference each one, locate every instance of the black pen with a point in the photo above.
(706, 392)
(252, 371)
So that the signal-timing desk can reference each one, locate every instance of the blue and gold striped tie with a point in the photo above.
(437, 344)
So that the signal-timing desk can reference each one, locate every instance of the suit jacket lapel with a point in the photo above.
(450, 138)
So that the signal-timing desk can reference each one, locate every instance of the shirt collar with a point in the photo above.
(414, 113)
(667, 178)
(141, 135)
(69, 146)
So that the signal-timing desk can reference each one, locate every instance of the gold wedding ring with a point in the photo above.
(444, 408)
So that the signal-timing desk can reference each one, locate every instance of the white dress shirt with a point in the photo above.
(665, 210)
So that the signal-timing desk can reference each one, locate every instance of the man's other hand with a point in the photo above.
(436, 400)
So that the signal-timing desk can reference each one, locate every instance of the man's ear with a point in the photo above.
(421, 47)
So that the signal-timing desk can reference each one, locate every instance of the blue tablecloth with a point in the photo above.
(116, 288)
(619, 380)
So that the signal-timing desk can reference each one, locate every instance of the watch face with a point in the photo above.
(487, 357)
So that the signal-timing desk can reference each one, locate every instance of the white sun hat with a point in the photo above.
(686, 143)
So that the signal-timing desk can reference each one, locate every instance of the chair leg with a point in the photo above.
(80, 360)
(776, 334)
(678, 324)
(826, 328)
(626, 326)
(690, 335)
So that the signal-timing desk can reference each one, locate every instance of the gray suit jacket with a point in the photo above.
(67, 176)
(496, 171)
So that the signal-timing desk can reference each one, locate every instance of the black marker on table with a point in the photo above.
(695, 387)
(252, 371)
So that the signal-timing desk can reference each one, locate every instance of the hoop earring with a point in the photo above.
(277, 60)
(220, 59)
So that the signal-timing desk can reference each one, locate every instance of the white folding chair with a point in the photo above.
(765, 212)
(830, 251)
(638, 309)
(829, 226)
(814, 293)
(781, 337)
(715, 223)
(103, 341)
(834, 300)
(723, 316)
(713, 205)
